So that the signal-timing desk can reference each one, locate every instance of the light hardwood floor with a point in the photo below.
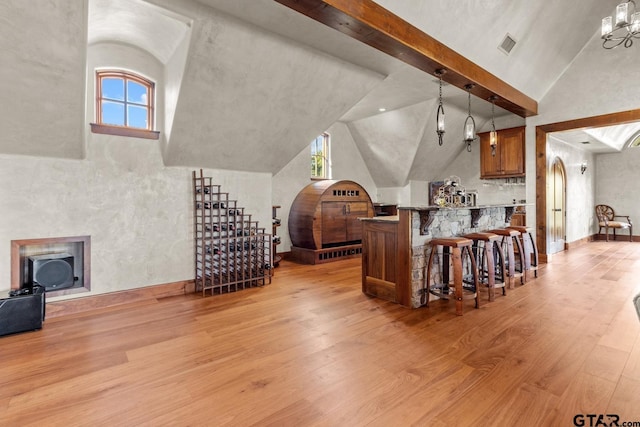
(311, 350)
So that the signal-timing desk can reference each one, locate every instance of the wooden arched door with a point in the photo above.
(557, 216)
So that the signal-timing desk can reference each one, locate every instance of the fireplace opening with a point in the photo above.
(60, 265)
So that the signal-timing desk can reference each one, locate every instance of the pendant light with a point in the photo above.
(440, 116)
(469, 123)
(493, 135)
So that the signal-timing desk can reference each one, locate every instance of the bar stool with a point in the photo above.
(529, 246)
(453, 250)
(509, 236)
(490, 260)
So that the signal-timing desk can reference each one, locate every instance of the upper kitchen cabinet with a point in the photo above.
(509, 160)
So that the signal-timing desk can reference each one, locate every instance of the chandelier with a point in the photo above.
(625, 28)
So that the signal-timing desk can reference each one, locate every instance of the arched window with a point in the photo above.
(124, 104)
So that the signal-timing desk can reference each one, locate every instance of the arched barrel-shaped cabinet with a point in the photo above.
(323, 221)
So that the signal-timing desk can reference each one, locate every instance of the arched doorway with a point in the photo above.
(557, 205)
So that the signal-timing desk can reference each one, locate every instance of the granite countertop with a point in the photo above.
(387, 218)
(394, 218)
(434, 207)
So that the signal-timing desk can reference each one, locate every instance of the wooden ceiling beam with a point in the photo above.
(370, 23)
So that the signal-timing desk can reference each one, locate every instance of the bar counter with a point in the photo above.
(395, 248)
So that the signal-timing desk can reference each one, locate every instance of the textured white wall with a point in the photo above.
(43, 49)
(137, 211)
(256, 97)
(617, 184)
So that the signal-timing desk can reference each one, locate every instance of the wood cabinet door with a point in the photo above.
(519, 219)
(489, 165)
(511, 143)
(355, 210)
(379, 259)
(334, 222)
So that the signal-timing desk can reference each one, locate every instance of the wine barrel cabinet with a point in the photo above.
(323, 221)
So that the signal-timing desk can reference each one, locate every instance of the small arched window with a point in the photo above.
(124, 104)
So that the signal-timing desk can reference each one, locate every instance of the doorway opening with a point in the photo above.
(542, 205)
(557, 203)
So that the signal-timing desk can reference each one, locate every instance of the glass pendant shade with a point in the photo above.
(493, 135)
(440, 124)
(440, 119)
(493, 141)
(493, 138)
(469, 129)
(635, 22)
(607, 25)
(440, 114)
(622, 13)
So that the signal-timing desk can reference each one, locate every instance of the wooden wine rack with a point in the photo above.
(232, 251)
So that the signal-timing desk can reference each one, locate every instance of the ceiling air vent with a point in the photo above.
(507, 44)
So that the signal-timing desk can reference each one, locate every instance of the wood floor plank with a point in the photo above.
(632, 367)
(624, 401)
(606, 362)
(311, 350)
(587, 394)
(525, 406)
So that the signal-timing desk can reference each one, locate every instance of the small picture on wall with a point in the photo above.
(434, 186)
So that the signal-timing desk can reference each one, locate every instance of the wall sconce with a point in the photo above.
(583, 168)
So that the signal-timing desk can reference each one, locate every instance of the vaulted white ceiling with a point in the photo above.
(261, 80)
(154, 29)
(600, 140)
(549, 34)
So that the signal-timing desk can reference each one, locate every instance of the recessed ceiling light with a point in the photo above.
(382, 109)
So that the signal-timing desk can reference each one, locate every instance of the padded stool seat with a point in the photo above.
(509, 236)
(490, 259)
(530, 248)
(454, 253)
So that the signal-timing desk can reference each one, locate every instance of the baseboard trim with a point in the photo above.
(619, 238)
(145, 295)
(579, 242)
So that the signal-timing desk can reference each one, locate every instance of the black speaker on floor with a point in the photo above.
(23, 311)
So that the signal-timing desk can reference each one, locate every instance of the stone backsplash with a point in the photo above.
(446, 223)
